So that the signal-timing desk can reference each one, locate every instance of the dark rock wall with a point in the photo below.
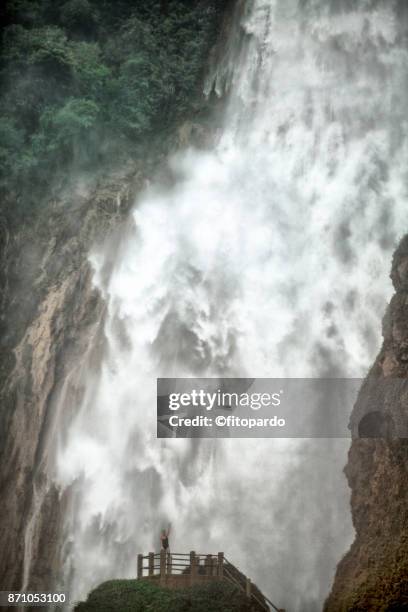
(373, 575)
(50, 309)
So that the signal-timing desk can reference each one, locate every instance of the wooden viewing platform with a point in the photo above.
(180, 570)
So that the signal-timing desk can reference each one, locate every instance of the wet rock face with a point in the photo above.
(51, 310)
(32, 383)
(373, 575)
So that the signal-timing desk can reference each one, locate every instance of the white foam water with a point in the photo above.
(267, 257)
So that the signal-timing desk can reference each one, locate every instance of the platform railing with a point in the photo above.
(165, 563)
(198, 566)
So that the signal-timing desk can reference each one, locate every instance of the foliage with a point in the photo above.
(78, 16)
(79, 75)
(142, 596)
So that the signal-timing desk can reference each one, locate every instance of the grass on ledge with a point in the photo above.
(142, 596)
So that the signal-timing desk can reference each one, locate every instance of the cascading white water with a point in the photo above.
(268, 257)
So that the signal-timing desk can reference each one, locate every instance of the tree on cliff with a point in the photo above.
(81, 79)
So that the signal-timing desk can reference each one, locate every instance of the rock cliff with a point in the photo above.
(373, 575)
(48, 324)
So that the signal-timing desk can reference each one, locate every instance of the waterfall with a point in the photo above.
(268, 256)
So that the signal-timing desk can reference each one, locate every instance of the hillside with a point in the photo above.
(141, 596)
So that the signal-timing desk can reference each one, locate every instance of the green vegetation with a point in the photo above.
(84, 79)
(138, 596)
